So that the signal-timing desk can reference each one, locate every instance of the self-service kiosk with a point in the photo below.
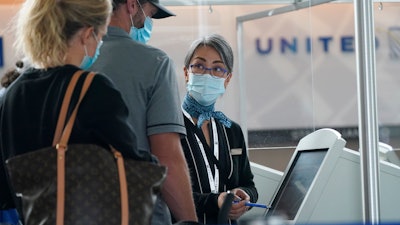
(322, 184)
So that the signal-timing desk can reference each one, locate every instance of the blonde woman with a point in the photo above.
(60, 37)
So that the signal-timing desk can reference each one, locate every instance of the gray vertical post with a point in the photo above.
(242, 80)
(367, 108)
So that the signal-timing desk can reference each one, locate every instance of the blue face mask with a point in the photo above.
(143, 34)
(205, 88)
(87, 60)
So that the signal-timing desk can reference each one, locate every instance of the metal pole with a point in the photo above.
(367, 109)
(242, 80)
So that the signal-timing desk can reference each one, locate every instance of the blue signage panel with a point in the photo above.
(1, 52)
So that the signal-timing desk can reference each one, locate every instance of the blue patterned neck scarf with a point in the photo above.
(203, 113)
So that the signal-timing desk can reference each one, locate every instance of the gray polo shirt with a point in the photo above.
(146, 76)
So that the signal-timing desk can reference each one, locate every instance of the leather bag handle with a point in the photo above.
(68, 127)
(61, 147)
(64, 106)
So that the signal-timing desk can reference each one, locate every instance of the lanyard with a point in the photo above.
(212, 180)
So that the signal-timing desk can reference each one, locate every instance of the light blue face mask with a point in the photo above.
(205, 88)
(143, 34)
(87, 60)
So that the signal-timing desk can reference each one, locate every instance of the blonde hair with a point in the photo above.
(45, 27)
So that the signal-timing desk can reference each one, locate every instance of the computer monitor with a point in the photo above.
(304, 166)
(295, 184)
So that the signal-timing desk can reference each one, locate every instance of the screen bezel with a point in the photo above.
(287, 178)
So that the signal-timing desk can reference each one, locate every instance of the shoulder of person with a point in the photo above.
(235, 126)
(235, 133)
(148, 50)
(102, 78)
(99, 78)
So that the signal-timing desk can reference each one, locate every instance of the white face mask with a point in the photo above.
(205, 88)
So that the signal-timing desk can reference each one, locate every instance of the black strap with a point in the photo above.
(225, 208)
(223, 170)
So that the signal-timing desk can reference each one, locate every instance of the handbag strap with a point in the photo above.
(66, 133)
(64, 106)
(62, 143)
(61, 147)
(123, 187)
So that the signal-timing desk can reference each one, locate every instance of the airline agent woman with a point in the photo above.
(214, 147)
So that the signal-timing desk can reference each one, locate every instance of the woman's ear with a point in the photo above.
(86, 34)
(228, 79)
(186, 74)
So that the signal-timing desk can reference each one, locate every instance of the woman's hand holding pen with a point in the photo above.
(239, 208)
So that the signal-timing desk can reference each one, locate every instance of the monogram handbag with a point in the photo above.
(83, 183)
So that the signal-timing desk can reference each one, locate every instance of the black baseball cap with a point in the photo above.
(162, 11)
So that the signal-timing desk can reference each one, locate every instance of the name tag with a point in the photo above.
(236, 151)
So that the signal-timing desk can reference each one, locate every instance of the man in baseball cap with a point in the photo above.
(146, 77)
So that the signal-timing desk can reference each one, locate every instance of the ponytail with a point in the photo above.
(45, 27)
